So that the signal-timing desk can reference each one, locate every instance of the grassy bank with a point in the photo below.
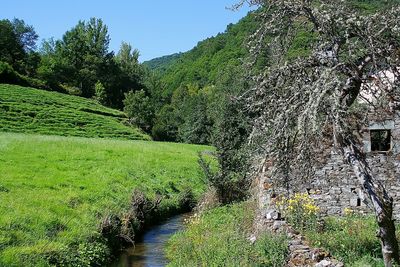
(351, 239)
(29, 110)
(219, 238)
(55, 192)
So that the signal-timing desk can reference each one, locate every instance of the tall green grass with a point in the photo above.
(29, 110)
(219, 238)
(54, 191)
(351, 239)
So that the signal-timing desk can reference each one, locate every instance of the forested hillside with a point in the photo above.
(161, 64)
(208, 59)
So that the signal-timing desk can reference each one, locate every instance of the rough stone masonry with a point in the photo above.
(334, 186)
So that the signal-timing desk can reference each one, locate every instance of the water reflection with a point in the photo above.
(149, 251)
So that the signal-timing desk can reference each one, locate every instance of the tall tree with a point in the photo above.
(301, 103)
(81, 58)
(131, 73)
(25, 34)
(18, 44)
(11, 49)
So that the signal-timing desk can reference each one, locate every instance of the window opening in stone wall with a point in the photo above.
(380, 140)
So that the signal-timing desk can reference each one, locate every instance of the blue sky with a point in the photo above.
(156, 28)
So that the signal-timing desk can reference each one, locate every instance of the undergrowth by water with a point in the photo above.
(219, 237)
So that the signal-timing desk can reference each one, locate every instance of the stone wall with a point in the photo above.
(335, 187)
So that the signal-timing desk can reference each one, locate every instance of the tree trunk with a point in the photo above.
(382, 203)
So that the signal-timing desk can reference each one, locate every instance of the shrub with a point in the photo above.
(9, 75)
(300, 211)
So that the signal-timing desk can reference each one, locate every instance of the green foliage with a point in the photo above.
(9, 75)
(187, 119)
(370, 6)
(29, 110)
(192, 110)
(57, 190)
(128, 59)
(166, 124)
(300, 211)
(161, 64)
(351, 239)
(82, 54)
(219, 238)
(302, 43)
(101, 94)
(203, 64)
(17, 44)
(139, 109)
(11, 48)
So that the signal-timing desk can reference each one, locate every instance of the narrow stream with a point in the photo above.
(149, 250)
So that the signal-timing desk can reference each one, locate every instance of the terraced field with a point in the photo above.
(29, 110)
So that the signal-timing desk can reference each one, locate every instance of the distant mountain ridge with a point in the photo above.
(209, 57)
(160, 64)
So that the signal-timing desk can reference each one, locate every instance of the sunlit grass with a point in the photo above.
(55, 190)
(219, 237)
(30, 110)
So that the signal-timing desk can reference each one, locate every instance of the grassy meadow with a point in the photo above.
(29, 110)
(54, 191)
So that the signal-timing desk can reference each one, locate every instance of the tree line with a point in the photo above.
(180, 103)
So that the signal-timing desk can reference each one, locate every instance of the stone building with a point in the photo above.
(335, 187)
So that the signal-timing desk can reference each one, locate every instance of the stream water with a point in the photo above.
(149, 249)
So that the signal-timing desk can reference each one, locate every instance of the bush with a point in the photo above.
(9, 75)
(229, 186)
(300, 211)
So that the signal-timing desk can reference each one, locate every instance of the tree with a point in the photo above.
(17, 46)
(139, 109)
(101, 94)
(128, 59)
(128, 74)
(80, 59)
(11, 50)
(309, 102)
(25, 34)
(165, 125)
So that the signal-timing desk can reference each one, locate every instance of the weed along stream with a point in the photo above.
(149, 249)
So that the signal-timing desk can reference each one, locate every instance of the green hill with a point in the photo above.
(209, 58)
(57, 192)
(30, 110)
(161, 64)
(204, 64)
